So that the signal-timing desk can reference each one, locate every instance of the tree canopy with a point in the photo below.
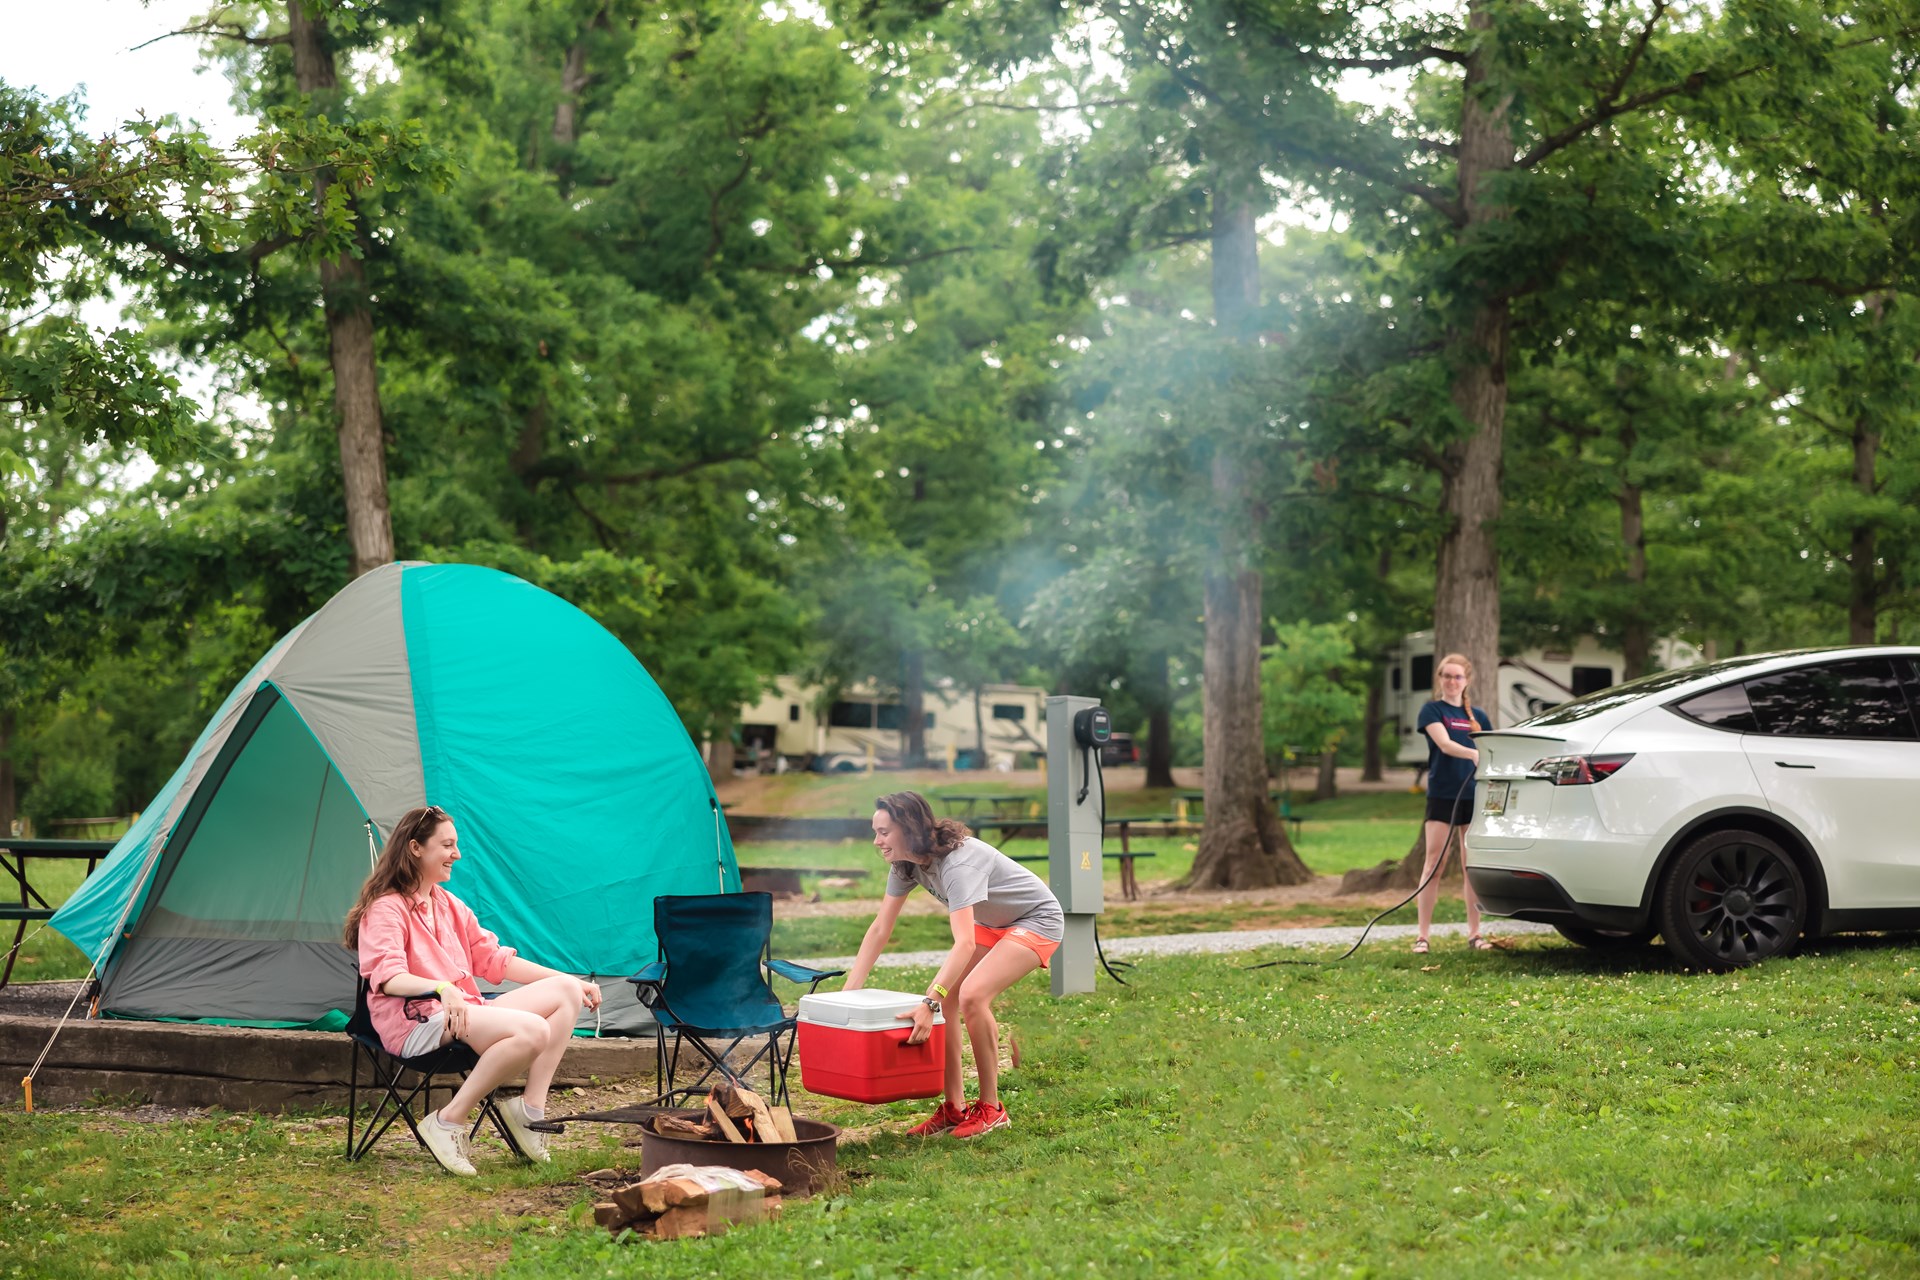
(1151, 350)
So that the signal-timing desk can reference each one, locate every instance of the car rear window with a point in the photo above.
(1724, 708)
(1634, 690)
(1861, 698)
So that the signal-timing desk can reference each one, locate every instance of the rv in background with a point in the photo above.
(792, 728)
(1531, 681)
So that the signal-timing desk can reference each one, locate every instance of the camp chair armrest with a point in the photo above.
(801, 973)
(648, 982)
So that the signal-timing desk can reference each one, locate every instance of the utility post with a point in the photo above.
(1075, 804)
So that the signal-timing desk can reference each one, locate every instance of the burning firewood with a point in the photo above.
(757, 1121)
(668, 1126)
(720, 1117)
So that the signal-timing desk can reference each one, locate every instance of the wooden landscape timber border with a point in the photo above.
(177, 1064)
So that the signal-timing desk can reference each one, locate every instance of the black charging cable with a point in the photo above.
(1453, 838)
(1095, 770)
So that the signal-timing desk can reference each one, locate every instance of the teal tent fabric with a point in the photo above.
(577, 794)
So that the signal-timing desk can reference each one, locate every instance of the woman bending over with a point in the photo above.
(1006, 923)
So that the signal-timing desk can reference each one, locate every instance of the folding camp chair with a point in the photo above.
(397, 1097)
(708, 990)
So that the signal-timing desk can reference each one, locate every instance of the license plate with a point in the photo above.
(1496, 802)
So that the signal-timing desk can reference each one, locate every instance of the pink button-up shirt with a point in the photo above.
(396, 938)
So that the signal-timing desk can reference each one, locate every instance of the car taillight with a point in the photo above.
(1579, 771)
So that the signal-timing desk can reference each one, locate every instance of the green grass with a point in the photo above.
(1535, 1112)
(46, 956)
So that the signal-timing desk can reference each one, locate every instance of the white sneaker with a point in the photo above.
(532, 1143)
(449, 1146)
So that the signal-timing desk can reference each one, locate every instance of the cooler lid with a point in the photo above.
(864, 1010)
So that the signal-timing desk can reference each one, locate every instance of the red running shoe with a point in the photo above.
(946, 1116)
(983, 1117)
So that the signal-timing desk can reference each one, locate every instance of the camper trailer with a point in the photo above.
(1531, 681)
(795, 725)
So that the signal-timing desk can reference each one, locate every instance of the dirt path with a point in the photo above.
(1156, 897)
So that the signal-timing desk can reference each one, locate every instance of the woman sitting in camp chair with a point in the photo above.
(420, 951)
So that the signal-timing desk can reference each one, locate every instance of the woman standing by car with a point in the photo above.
(1449, 722)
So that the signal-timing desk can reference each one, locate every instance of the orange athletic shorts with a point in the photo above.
(987, 936)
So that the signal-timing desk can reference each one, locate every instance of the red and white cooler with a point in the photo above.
(853, 1046)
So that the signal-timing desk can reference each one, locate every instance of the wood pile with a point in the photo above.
(734, 1113)
(684, 1200)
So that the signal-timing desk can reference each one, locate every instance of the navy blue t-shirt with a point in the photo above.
(1449, 776)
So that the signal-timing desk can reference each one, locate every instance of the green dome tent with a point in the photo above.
(578, 796)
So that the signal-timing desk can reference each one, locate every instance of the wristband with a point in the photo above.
(939, 990)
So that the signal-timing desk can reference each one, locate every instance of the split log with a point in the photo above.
(783, 1123)
(682, 1127)
(720, 1117)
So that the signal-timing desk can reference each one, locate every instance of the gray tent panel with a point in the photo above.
(350, 679)
(231, 979)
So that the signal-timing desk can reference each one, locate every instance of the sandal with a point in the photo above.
(1478, 943)
(1419, 946)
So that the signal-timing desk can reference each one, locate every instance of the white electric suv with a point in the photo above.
(1729, 808)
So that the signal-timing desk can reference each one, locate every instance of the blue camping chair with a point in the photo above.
(708, 990)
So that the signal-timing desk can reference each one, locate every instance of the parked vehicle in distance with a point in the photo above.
(865, 724)
(1532, 681)
(1119, 749)
(1730, 808)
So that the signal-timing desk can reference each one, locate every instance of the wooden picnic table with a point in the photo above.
(32, 905)
(1129, 886)
(964, 804)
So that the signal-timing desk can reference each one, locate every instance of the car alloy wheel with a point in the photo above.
(1731, 899)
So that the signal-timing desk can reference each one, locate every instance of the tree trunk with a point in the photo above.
(1326, 784)
(343, 294)
(1636, 637)
(1466, 613)
(1371, 765)
(573, 79)
(1863, 576)
(720, 753)
(979, 732)
(1159, 722)
(1403, 874)
(1243, 844)
(913, 709)
(8, 800)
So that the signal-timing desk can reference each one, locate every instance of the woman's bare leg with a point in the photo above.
(557, 1000)
(954, 1080)
(508, 1041)
(1466, 883)
(1436, 834)
(1003, 966)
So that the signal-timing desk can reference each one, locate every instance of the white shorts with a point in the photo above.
(425, 1036)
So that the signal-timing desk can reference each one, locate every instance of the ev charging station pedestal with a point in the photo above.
(1076, 730)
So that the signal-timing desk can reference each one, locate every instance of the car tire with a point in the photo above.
(1731, 899)
(1606, 939)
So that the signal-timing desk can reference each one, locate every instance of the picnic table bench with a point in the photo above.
(32, 906)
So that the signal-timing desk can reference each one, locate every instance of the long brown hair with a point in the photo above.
(927, 835)
(1466, 664)
(396, 870)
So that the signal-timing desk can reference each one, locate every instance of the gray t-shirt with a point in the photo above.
(1001, 892)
